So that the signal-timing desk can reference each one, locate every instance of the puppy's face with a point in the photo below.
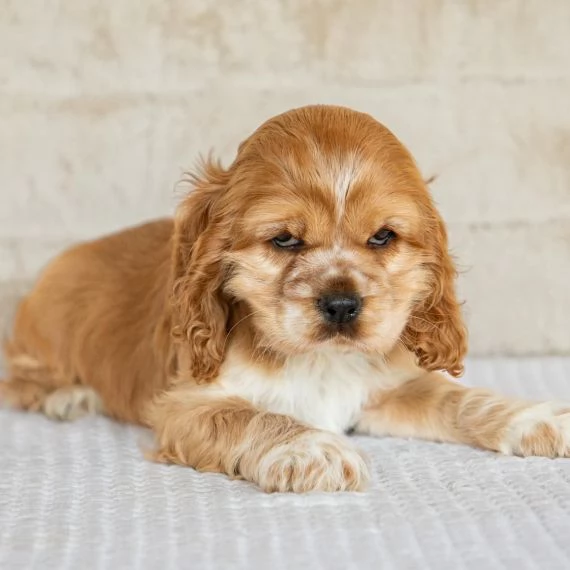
(323, 233)
(329, 241)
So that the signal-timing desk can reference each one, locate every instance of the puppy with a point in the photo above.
(305, 291)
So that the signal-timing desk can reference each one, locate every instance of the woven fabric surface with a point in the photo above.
(81, 495)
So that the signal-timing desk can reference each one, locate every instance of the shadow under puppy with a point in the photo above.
(304, 291)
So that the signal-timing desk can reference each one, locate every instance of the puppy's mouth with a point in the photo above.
(338, 332)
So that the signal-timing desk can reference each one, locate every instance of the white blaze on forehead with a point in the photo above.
(342, 183)
(344, 177)
(337, 170)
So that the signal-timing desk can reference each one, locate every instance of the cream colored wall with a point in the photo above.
(103, 103)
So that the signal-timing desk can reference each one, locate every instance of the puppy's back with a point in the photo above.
(97, 316)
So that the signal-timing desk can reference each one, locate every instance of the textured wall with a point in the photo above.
(103, 104)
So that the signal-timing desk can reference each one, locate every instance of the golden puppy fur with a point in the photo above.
(304, 291)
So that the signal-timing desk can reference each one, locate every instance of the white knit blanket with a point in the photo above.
(80, 496)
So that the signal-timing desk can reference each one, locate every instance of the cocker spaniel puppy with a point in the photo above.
(305, 291)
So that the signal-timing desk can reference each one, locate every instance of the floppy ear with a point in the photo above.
(435, 330)
(199, 309)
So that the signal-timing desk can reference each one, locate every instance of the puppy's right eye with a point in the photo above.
(287, 241)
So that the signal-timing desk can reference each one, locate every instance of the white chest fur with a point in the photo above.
(324, 389)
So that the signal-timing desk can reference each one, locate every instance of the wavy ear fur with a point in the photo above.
(435, 331)
(200, 311)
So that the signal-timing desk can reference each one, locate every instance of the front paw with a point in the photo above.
(541, 429)
(313, 461)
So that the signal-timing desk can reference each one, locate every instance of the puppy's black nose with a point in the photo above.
(339, 308)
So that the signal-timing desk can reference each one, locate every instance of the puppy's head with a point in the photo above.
(321, 233)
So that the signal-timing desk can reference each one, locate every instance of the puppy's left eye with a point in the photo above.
(382, 238)
(287, 241)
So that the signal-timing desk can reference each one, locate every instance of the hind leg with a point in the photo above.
(72, 402)
(35, 387)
